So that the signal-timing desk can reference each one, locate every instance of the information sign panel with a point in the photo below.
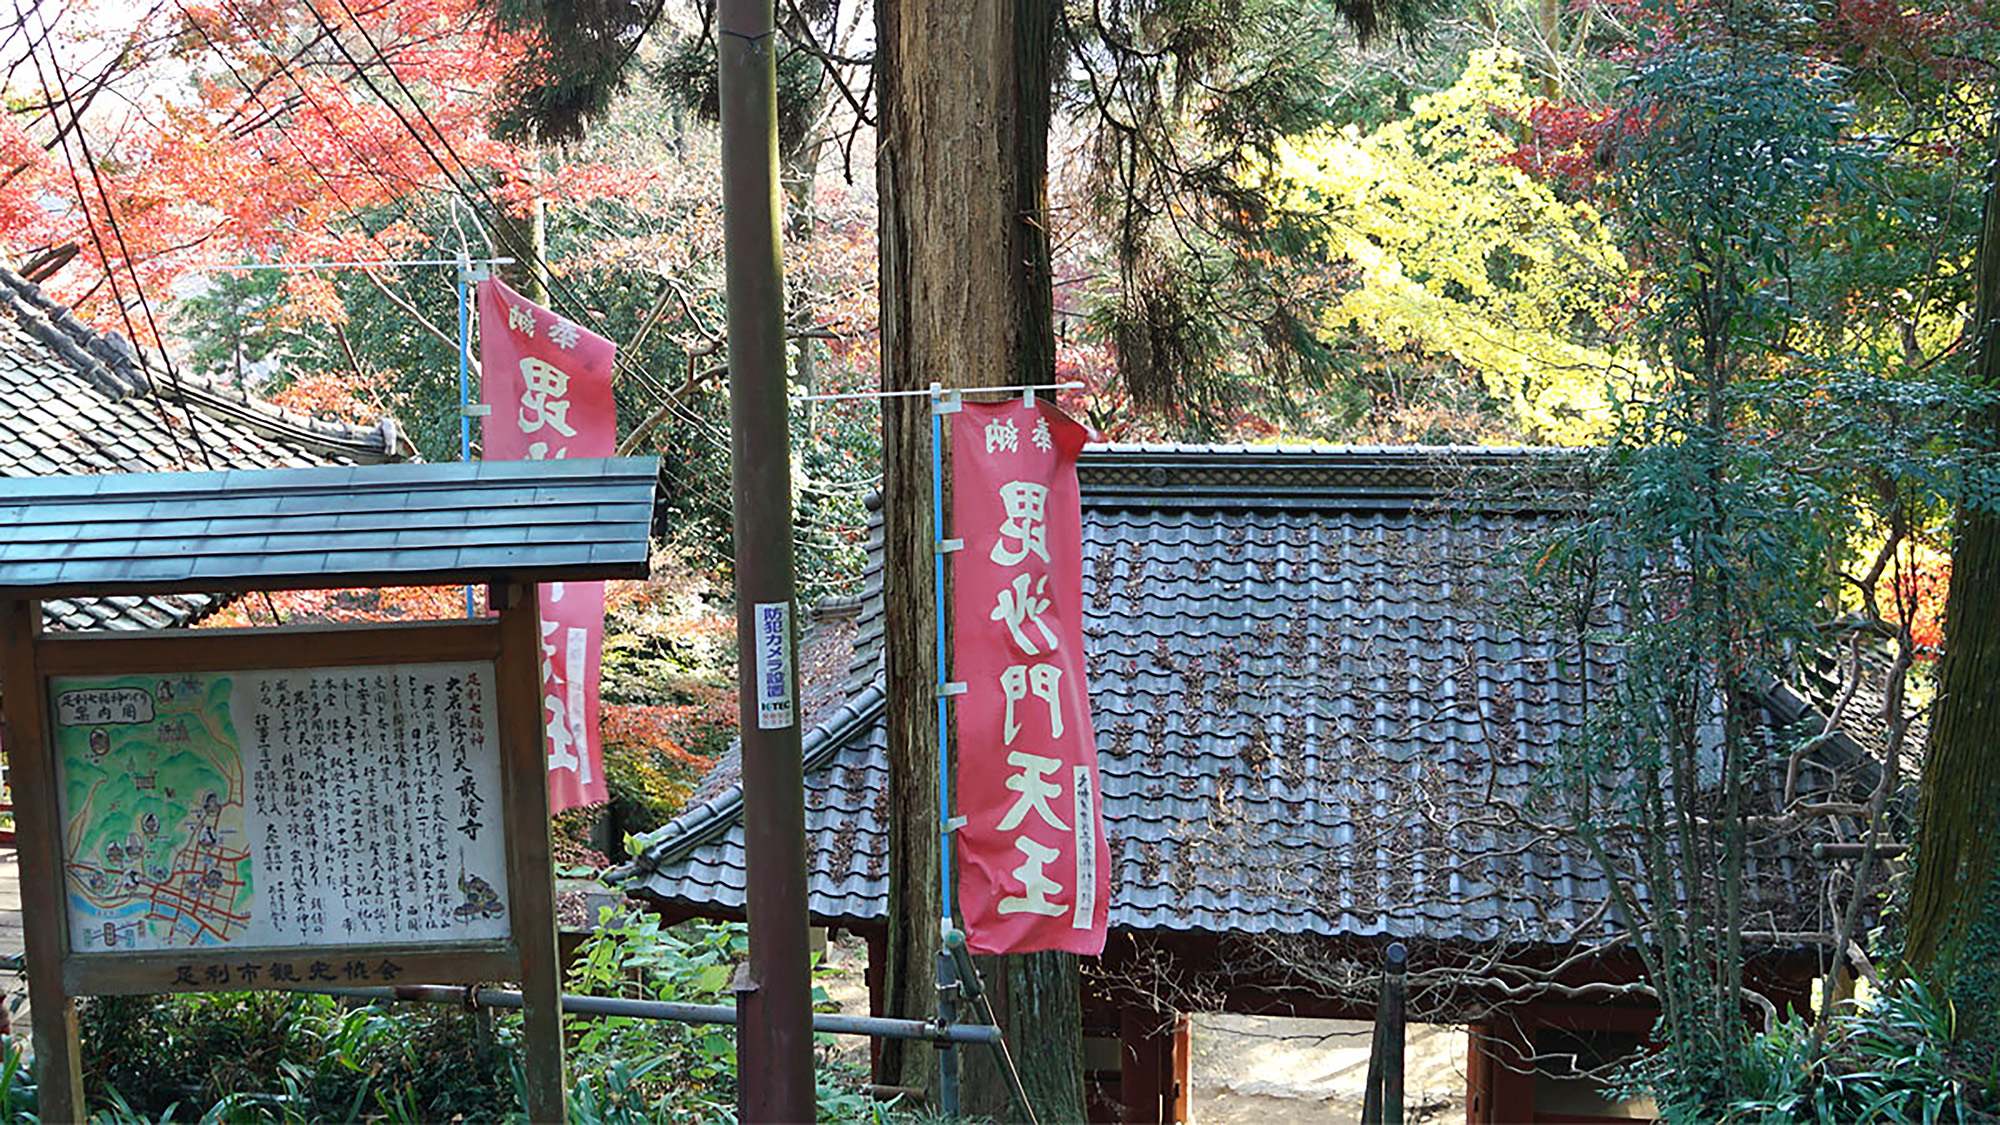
(212, 812)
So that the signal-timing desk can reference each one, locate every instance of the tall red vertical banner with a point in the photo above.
(1033, 865)
(547, 382)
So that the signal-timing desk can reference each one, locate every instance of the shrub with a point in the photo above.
(1886, 1060)
(279, 1056)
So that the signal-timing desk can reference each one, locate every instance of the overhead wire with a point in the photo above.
(486, 205)
(560, 291)
(104, 256)
(287, 68)
(340, 198)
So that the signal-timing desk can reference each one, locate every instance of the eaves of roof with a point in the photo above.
(111, 365)
(713, 818)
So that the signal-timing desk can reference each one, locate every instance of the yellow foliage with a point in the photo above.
(1460, 254)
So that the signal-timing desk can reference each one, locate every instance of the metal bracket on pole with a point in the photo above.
(476, 409)
(956, 687)
(943, 401)
(947, 546)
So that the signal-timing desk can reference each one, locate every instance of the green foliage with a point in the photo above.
(686, 74)
(284, 1057)
(575, 64)
(638, 1070)
(1452, 251)
(275, 1058)
(1741, 151)
(1178, 100)
(18, 1099)
(1975, 996)
(671, 1071)
(647, 788)
(1888, 1059)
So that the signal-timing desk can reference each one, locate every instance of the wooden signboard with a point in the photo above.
(300, 807)
(227, 818)
(282, 808)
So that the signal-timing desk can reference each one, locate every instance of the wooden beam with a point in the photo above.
(296, 967)
(307, 646)
(525, 781)
(44, 916)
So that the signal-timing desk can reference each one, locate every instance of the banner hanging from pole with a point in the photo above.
(1033, 865)
(547, 383)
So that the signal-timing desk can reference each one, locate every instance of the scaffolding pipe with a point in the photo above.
(878, 1027)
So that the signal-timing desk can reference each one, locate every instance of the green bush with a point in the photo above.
(1886, 1060)
(277, 1056)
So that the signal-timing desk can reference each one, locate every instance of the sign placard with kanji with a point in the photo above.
(1033, 865)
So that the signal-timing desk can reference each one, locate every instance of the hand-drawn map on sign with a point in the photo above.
(242, 810)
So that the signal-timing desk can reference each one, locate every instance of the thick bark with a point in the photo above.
(1961, 777)
(962, 176)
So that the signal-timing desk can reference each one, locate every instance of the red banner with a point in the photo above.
(548, 383)
(1033, 865)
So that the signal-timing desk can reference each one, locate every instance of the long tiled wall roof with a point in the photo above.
(1317, 712)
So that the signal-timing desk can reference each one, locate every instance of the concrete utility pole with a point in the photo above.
(774, 1038)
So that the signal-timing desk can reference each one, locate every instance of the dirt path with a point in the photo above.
(1251, 1070)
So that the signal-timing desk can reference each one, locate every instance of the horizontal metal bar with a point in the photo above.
(1856, 850)
(241, 267)
(1072, 386)
(876, 1026)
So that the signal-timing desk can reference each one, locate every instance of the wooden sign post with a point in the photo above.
(297, 808)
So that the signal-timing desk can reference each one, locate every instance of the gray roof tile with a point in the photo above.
(72, 401)
(1308, 701)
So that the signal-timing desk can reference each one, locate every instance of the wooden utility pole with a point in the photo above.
(962, 172)
(774, 1035)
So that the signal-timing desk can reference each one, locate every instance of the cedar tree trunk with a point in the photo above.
(1960, 797)
(962, 173)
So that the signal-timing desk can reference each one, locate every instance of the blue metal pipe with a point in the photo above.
(943, 672)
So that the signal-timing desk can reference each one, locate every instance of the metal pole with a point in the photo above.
(947, 974)
(464, 378)
(947, 1016)
(1382, 1099)
(879, 1027)
(775, 1049)
(938, 410)
(1392, 1055)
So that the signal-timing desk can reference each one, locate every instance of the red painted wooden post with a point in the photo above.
(1181, 1067)
(1500, 1079)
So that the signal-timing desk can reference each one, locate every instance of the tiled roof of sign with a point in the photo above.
(75, 401)
(1316, 711)
(353, 525)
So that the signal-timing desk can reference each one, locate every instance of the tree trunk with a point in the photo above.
(1960, 796)
(524, 238)
(961, 168)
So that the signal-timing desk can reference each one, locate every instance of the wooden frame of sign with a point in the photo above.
(31, 661)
